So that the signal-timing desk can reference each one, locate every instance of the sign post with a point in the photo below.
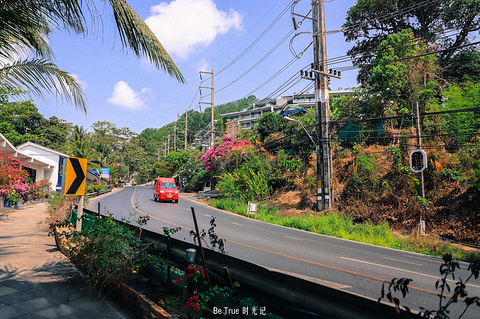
(252, 209)
(75, 180)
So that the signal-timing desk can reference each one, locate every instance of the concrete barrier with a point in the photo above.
(312, 299)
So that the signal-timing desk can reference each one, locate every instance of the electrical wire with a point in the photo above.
(258, 62)
(258, 22)
(272, 24)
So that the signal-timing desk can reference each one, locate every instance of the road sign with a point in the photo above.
(252, 209)
(75, 176)
(418, 161)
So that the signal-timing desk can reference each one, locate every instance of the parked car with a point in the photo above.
(165, 189)
(128, 184)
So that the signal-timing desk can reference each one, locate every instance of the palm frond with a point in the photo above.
(21, 27)
(135, 34)
(37, 76)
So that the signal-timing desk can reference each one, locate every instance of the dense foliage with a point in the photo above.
(369, 22)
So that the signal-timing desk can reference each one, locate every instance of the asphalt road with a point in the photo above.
(351, 266)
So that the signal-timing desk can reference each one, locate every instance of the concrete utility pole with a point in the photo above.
(419, 146)
(186, 128)
(175, 136)
(322, 108)
(168, 144)
(212, 124)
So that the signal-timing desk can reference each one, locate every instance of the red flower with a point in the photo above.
(190, 275)
(177, 280)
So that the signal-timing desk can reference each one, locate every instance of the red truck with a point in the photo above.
(165, 189)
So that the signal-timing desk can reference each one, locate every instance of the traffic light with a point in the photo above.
(418, 161)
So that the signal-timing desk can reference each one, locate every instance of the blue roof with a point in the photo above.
(91, 171)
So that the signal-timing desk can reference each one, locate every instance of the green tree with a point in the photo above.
(79, 144)
(398, 79)
(175, 160)
(53, 133)
(269, 123)
(463, 67)
(162, 169)
(369, 22)
(459, 125)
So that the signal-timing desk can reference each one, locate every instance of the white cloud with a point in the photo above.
(83, 83)
(123, 95)
(203, 65)
(183, 25)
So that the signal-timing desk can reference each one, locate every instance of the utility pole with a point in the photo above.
(175, 136)
(322, 108)
(212, 88)
(168, 144)
(419, 146)
(186, 128)
(420, 177)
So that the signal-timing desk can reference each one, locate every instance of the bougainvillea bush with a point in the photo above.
(12, 176)
(222, 155)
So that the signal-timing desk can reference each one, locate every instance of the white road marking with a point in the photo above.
(295, 238)
(237, 224)
(389, 267)
(403, 261)
(400, 269)
(426, 258)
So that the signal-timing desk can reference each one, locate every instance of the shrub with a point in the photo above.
(105, 250)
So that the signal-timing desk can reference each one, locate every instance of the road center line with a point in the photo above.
(287, 256)
(403, 261)
(237, 224)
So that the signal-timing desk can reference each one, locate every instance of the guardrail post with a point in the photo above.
(201, 248)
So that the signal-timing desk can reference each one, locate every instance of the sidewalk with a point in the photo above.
(36, 280)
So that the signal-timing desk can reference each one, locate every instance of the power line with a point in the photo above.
(272, 24)
(258, 62)
(258, 22)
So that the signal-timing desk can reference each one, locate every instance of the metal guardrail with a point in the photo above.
(108, 190)
(317, 300)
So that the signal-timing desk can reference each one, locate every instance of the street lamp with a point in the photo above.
(293, 120)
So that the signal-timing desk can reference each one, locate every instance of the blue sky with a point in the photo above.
(200, 35)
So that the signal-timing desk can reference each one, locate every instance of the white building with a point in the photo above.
(52, 161)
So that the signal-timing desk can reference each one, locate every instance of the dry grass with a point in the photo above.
(59, 209)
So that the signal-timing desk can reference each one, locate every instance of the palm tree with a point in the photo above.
(26, 24)
(79, 144)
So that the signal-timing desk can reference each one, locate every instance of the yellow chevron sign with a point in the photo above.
(75, 176)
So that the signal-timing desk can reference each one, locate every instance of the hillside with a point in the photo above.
(369, 185)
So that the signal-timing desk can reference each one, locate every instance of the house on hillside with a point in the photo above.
(245, 119)
(287, 105)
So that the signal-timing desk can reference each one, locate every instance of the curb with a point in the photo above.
(140, 304)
